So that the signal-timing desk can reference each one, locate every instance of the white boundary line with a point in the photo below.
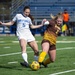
(73, 63)
(32, 51)
(10, 54)
(2, 41)
(6, 47)
(67, 48)
(65, 42)
(13, 62)
(63, 72)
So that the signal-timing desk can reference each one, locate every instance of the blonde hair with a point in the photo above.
(59, 15)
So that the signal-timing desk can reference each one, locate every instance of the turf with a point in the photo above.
(10, 57)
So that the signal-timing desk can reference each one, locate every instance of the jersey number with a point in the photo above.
(23, 25)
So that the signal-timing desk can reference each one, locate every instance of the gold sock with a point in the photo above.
(47, 61)
(42, 56)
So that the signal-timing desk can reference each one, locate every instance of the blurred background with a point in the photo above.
(40, 9)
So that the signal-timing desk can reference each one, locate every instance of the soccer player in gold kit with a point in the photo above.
(49, 40)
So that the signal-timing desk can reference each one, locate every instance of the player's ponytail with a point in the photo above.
(52, 16)
(31, 17)
(59, 15)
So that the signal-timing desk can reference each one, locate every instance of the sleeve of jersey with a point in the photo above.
(15, 18)
(30, 22)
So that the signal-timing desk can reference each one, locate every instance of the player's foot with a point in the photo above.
(25, 64)
(43, 65)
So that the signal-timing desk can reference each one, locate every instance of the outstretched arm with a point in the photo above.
(7, 24)
(38, 26)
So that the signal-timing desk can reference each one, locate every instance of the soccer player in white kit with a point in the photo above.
(24, 34)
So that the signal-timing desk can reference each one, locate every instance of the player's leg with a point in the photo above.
(34, 46)
(23, 44)
(45, 48)
(52, 56)
(51, 59)
(32, 43)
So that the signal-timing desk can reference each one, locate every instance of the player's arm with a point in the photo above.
(38, 26)
(35, 26)
(7, 24)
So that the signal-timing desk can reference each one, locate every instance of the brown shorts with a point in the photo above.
(52, 47)
(50, 37)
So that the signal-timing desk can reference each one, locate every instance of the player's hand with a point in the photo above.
(43, 21)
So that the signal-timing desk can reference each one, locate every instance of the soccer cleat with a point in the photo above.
(44, 65)
(25, 64)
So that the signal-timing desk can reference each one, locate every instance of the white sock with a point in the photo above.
(36, 58)
(24, 55)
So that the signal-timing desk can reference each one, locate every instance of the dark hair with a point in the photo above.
(26, 7)
(31, 17)
(65, 9)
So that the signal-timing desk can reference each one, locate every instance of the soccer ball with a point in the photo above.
(35, 65)
(46, 23)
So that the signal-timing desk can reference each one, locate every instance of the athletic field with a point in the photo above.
(10, 57)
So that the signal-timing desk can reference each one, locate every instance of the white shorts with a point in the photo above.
(27, 36)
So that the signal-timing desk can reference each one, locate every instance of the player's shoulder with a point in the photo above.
(18, 14)
(29, 18)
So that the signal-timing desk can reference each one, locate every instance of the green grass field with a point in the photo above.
(10, 57)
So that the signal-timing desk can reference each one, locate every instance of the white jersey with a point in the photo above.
(23, 23)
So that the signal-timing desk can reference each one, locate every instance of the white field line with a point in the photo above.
(63, 72)
(13, 62)
(2, 41)
(65, 42)
(10, 54)
(10, 47)
(40, 41)
(67, 48)
(56, 42)
(15, 41)
(6, 47)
